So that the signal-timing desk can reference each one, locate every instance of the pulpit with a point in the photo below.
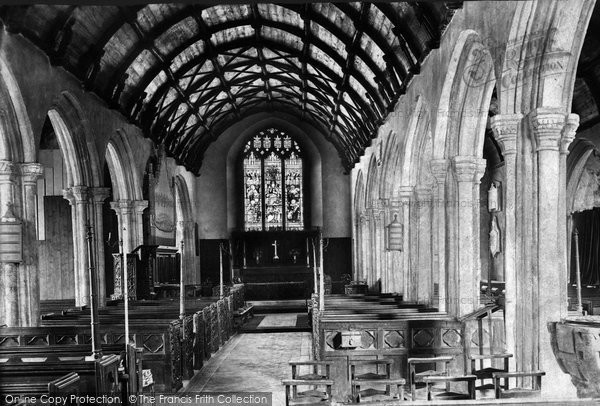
(275, 265)
(141, 265)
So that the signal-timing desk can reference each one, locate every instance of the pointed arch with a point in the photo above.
(389, 159)
(183, 204)
(76, 141)
(539, 67)
(372, 189)
(417, 126)
(359, 194)
(120, 161)
(465, 99)
(16, 135)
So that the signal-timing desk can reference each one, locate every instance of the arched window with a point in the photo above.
(273, 182)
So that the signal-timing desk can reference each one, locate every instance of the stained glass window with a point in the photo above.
(273, 182)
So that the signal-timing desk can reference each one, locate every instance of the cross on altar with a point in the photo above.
(275, 257)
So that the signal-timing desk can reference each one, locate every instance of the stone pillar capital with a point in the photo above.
(76, 194)
(8, 170)
(99, 194)
(140, 205)
(122, 206)
(547, 126)
(469, 168)
(31, 172)
(439, 169)
(506, 128)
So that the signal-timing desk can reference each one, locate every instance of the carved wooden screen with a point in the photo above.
(273, 182)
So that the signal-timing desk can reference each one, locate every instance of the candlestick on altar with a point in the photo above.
(181, 289)
(307, 253)
(322, 275)
(221, 271)
(578, 272)
(244, 249)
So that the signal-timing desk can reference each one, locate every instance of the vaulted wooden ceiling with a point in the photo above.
(184, 73)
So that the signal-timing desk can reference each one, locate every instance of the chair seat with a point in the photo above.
(451, 396)
(519, 393)
(312, 393)
(308, 401)
(486, 372)
(309, 377)
(369, 376)
(487, 386)
(429, 373)
(376, 397)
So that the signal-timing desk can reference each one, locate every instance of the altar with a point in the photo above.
(275, 265)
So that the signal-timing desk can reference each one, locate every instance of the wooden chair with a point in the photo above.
(315, 374)
(449, 395)
(486, 373)
(374, 379)
(417, 377)
(312, 396)
(387, 363)
(502, 392)
(374, 394)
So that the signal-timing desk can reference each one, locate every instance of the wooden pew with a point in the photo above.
(96, 377)
(204, 316)
(77, 352)
(160, 343)
(65, 386)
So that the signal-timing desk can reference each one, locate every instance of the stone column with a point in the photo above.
(548, 128)
(127, 232)
(506, 128)
(405, 194)
(10, 286)
(138, 223)
(423, 195)
(439, 169)
(356, 244)
(386, 259)
(78, 197)
(468, 173)
(370, 248)
(30, 173)
(362, 257)
(99, 195)
(187, 258)
(8, 172)
(379, 235)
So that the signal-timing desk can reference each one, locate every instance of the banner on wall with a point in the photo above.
(164, 205)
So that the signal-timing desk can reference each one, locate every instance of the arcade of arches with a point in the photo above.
(176, 132)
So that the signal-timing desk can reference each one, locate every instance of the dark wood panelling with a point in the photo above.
(57, 280)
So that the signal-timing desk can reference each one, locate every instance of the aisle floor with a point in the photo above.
(253, 363)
